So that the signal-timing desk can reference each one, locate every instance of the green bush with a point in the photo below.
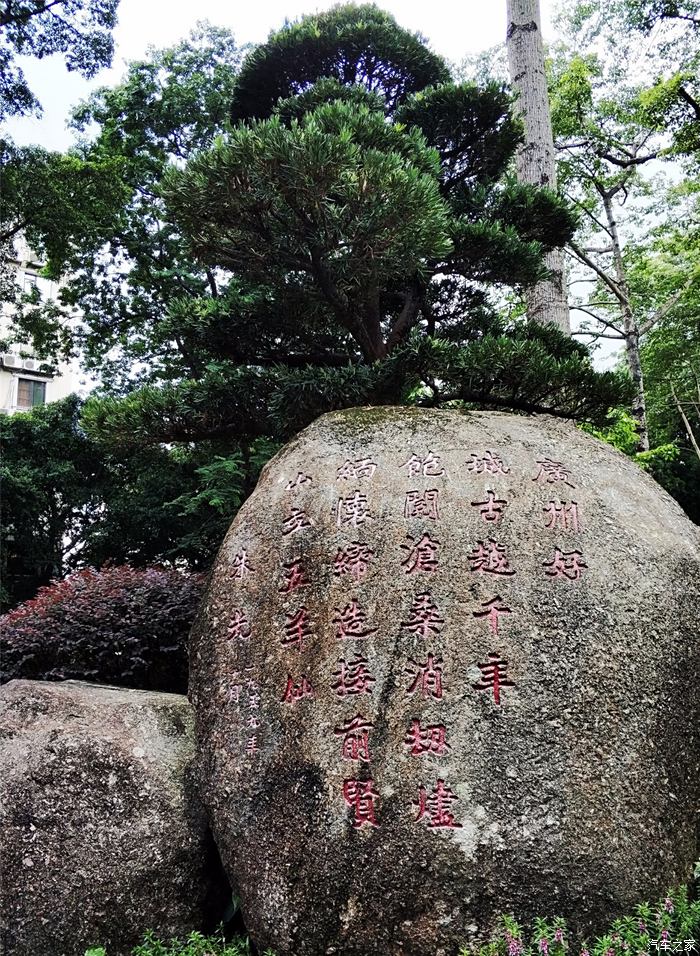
(670, 924)
(195, 945)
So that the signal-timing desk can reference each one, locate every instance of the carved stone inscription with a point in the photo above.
(399, 629)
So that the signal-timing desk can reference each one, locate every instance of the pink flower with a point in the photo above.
(642, 926)
(515, 946)
(664, 934)
(559, 936)
(544, 945)
(668, 904)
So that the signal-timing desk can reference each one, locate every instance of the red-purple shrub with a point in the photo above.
(118, 626)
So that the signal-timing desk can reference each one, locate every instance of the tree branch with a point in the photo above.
(686, 422)
(603, 276)
(23, 17)
(666, 307)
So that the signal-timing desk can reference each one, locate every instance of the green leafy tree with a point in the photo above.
(50, 477)
(69, 502)
(612, 151)
(168, 106)
(79, 29)
(336, 250)
(355, 45)
(672, 30)
(56, 201)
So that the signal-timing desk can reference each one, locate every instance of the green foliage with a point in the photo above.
(79, 29)
(168, 106)
(343, 249)
(50, 476)
(195, 945)
(69, 501)
(353, 44)
(674, 918)
(56, 201)
(656, 39)
(533, 369)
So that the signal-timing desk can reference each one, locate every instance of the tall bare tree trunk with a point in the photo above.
(629, 325)
(546, 301)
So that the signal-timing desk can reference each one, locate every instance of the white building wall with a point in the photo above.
(18, 365)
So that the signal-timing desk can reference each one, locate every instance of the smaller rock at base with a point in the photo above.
(101, 835)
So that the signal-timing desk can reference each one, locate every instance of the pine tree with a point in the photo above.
(362, 209)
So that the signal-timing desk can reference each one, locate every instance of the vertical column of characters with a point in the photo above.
(490, 561)
(297, 627)
(424, 622)
(352, 679)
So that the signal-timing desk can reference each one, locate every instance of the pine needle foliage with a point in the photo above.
(363, 211)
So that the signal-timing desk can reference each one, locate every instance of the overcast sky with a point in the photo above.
(454, 28)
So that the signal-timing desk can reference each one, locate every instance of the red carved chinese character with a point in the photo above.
(352, 510)
(421, 505)
(551, 472)
(425, 619)
(294, 576)
(428, 467)
(353, 677)
(426, 740)
(298, 520)
(353, 559)
(489, 463)
(241, 566)
(427, 678)
(562, 514)
(436, 807)
(493, 609)
(297, 629)
(253, 722)
(494, 676)
(355, 734)
(490, 558)
(565, 564)
(360, 796)
(252, 747)
(422, 555)
(301, 479)
(294, 692)
(351, 622)
(239, 627)
(491, 509)
(358, 469)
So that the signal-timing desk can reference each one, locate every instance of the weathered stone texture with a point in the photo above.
(101, 836)
(555, 568)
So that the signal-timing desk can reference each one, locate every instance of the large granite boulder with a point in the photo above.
(101, 834)
(448, 666)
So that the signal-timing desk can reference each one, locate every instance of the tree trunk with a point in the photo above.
(630, 327)
(546, 301)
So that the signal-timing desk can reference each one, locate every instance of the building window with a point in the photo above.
(30, 393)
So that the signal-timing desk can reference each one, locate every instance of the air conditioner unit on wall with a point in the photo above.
(31, 365)
(10, 360)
